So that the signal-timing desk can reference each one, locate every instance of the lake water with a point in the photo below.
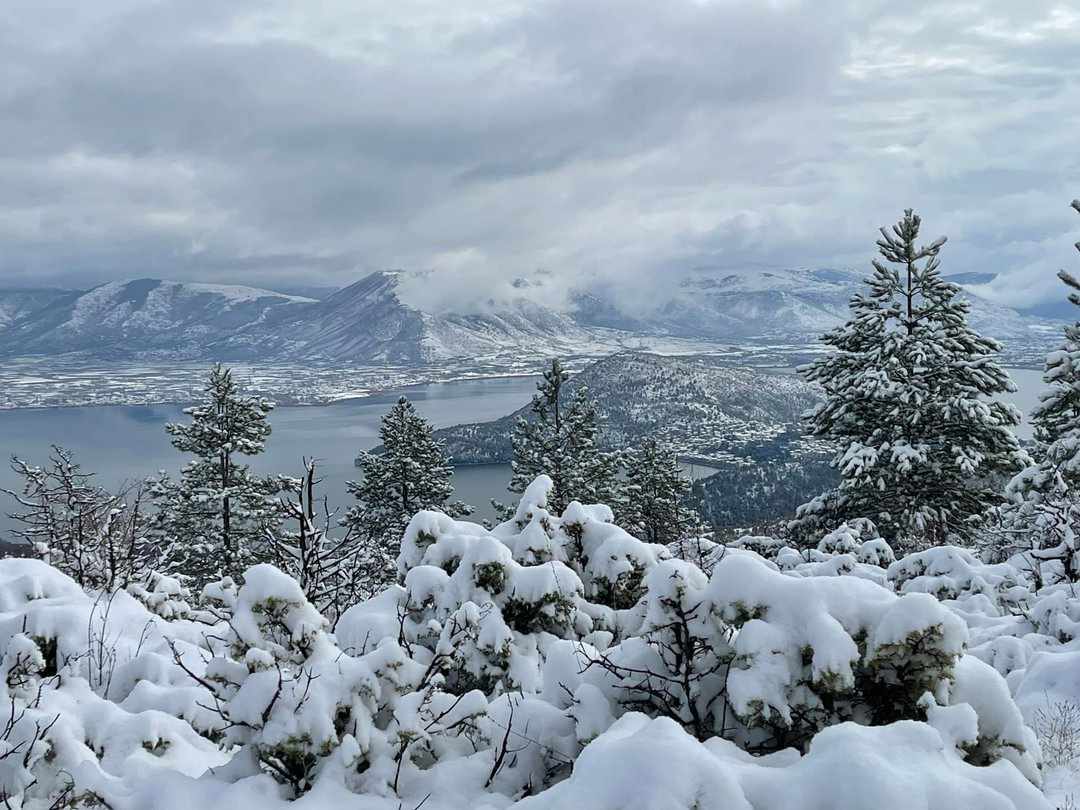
(121, 443)
(1030, 384)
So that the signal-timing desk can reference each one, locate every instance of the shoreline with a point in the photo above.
(409, 379)
(281, 401)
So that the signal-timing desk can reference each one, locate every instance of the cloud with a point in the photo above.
(575, 143)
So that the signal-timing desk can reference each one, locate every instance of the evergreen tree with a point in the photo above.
(410, 473)
(655, 498)
(1042, 513)
(922, 445)
(214, 519)
(560, 440)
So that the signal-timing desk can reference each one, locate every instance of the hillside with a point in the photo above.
(706, 411)
(20, 303)
(368, 322)
(795, 305)
(141, 318)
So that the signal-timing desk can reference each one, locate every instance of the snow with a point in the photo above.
(506, 671)
(905, 766)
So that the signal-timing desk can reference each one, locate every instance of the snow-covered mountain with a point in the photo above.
(778, 305)
(19, 303)
(366, 322)
(369, 322)
(142, 318)
(703, 409)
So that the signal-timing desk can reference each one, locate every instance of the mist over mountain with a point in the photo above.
(789, 305)
(372, 321)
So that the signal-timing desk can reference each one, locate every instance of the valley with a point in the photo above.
(73, 380)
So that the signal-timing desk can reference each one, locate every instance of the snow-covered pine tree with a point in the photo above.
(655, 498)
(1041, 516)
(922, 444)
(560, 440)
(213, 520)
(411, 473)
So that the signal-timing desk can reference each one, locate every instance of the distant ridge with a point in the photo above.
(368, 322)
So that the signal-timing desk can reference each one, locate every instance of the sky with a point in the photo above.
(611, 143)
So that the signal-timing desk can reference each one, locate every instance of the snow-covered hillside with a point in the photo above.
(367, 321)
(20, 303)
(552, 662)
(700, 408)
(142, 318)
(785, 305)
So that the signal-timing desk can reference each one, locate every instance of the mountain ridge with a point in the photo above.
(368, 322)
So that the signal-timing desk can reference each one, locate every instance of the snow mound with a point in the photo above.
(552, 661)
(903, 766)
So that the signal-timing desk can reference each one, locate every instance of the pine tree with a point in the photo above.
(411, 472)
(655, 498)
(921, 444)
(560, 440)
(1042, 513)
(213, 520)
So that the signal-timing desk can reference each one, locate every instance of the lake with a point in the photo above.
(121, 443)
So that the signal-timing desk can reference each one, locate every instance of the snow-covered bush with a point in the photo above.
(815, 651)
(98, 538)
(553, 660)
(949, 572)
(644, 764)
(675, 663)
(69, 732)
(279, 684)
(163, 595)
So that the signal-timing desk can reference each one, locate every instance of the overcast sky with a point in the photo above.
(627, 141)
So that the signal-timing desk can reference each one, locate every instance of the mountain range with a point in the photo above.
(791, 305)
(369, 323)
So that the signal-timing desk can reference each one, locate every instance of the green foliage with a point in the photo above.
(1042, 516)
(922, 444)
(214, 519)
(409, 473)
(655, 499)
(560, 440)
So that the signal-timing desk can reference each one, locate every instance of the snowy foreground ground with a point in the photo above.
(554, 662)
